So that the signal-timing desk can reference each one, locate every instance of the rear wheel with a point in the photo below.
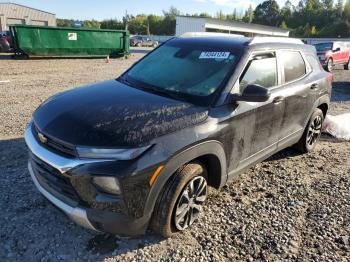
(329, 66)
(181, 200)
(311, 133)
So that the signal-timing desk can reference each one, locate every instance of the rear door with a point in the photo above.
(300, 89)
(338, 53)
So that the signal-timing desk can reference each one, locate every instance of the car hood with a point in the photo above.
(110, 114)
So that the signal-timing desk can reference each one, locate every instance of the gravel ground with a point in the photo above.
(290, 207)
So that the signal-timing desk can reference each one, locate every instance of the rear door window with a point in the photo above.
(314, 62)
(294, 65)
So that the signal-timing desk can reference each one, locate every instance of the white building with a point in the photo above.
(11, 14)
(198, 24)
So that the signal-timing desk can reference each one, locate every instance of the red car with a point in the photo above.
(333, 53)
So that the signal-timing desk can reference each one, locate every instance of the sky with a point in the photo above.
(104, 9)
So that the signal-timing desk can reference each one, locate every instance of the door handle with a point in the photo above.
(314, 86)
(278, 99)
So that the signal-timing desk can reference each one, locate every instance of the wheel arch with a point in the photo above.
(210, 153)
(324, 108)
(321, 103)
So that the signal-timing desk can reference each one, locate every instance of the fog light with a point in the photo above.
(107, 184)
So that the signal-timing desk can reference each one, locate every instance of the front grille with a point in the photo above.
(54, 182)
(55, 145)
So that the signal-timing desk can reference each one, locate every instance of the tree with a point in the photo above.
(112, 24)
(220, 15)
(169, 21)
(65, 22)
(249, 15)
(313, 30)
(328, 4)
(339, 8)
(283, 25)
(91, 24)
(267, 13)
(347, 10)
(287, 12)
(204, 15)
(233, 16)
(138, 25)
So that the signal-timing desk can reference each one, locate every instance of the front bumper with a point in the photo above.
(77, 214)
(85, 214)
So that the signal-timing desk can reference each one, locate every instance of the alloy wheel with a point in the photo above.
(314, 130)
(190, 202)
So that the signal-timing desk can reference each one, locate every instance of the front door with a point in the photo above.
(256, 125)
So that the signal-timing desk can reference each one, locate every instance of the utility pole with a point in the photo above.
(126, 20)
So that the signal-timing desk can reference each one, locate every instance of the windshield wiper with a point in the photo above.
(124, 80)
(147, 87)
(165, 91)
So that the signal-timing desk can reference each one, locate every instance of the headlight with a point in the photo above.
(108, 184)
(111, 153)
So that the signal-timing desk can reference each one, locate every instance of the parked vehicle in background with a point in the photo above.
(333, 53)
(4, 43)
(142, 41)
(141, 150)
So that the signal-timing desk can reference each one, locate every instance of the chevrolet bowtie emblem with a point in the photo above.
(42, 138)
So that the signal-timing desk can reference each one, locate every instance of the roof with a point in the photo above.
(240, 24)
(6, 3)
(241, 38)
(240, 42)
(224, 42)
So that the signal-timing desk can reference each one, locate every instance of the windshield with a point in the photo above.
(183, 70)
(324, 46)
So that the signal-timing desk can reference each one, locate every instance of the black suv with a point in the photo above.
(140, 151)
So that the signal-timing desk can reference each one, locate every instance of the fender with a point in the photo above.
(325, 99)
(211, 147)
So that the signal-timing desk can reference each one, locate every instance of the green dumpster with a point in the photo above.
(68, 42)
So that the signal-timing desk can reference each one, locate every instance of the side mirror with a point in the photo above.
(252, 93)
(337, 49)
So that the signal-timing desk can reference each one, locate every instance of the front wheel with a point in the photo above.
(181, 200)
(311, 133)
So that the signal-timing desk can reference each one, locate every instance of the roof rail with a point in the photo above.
(208, 34)
(271, 39)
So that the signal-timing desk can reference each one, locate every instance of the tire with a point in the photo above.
(311, 133)
(346, 66)
(174, 198)
(329, 66)
(139, 45)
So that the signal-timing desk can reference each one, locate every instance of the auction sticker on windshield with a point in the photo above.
(214, 55)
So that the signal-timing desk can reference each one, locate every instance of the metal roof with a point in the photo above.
(240, 24)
